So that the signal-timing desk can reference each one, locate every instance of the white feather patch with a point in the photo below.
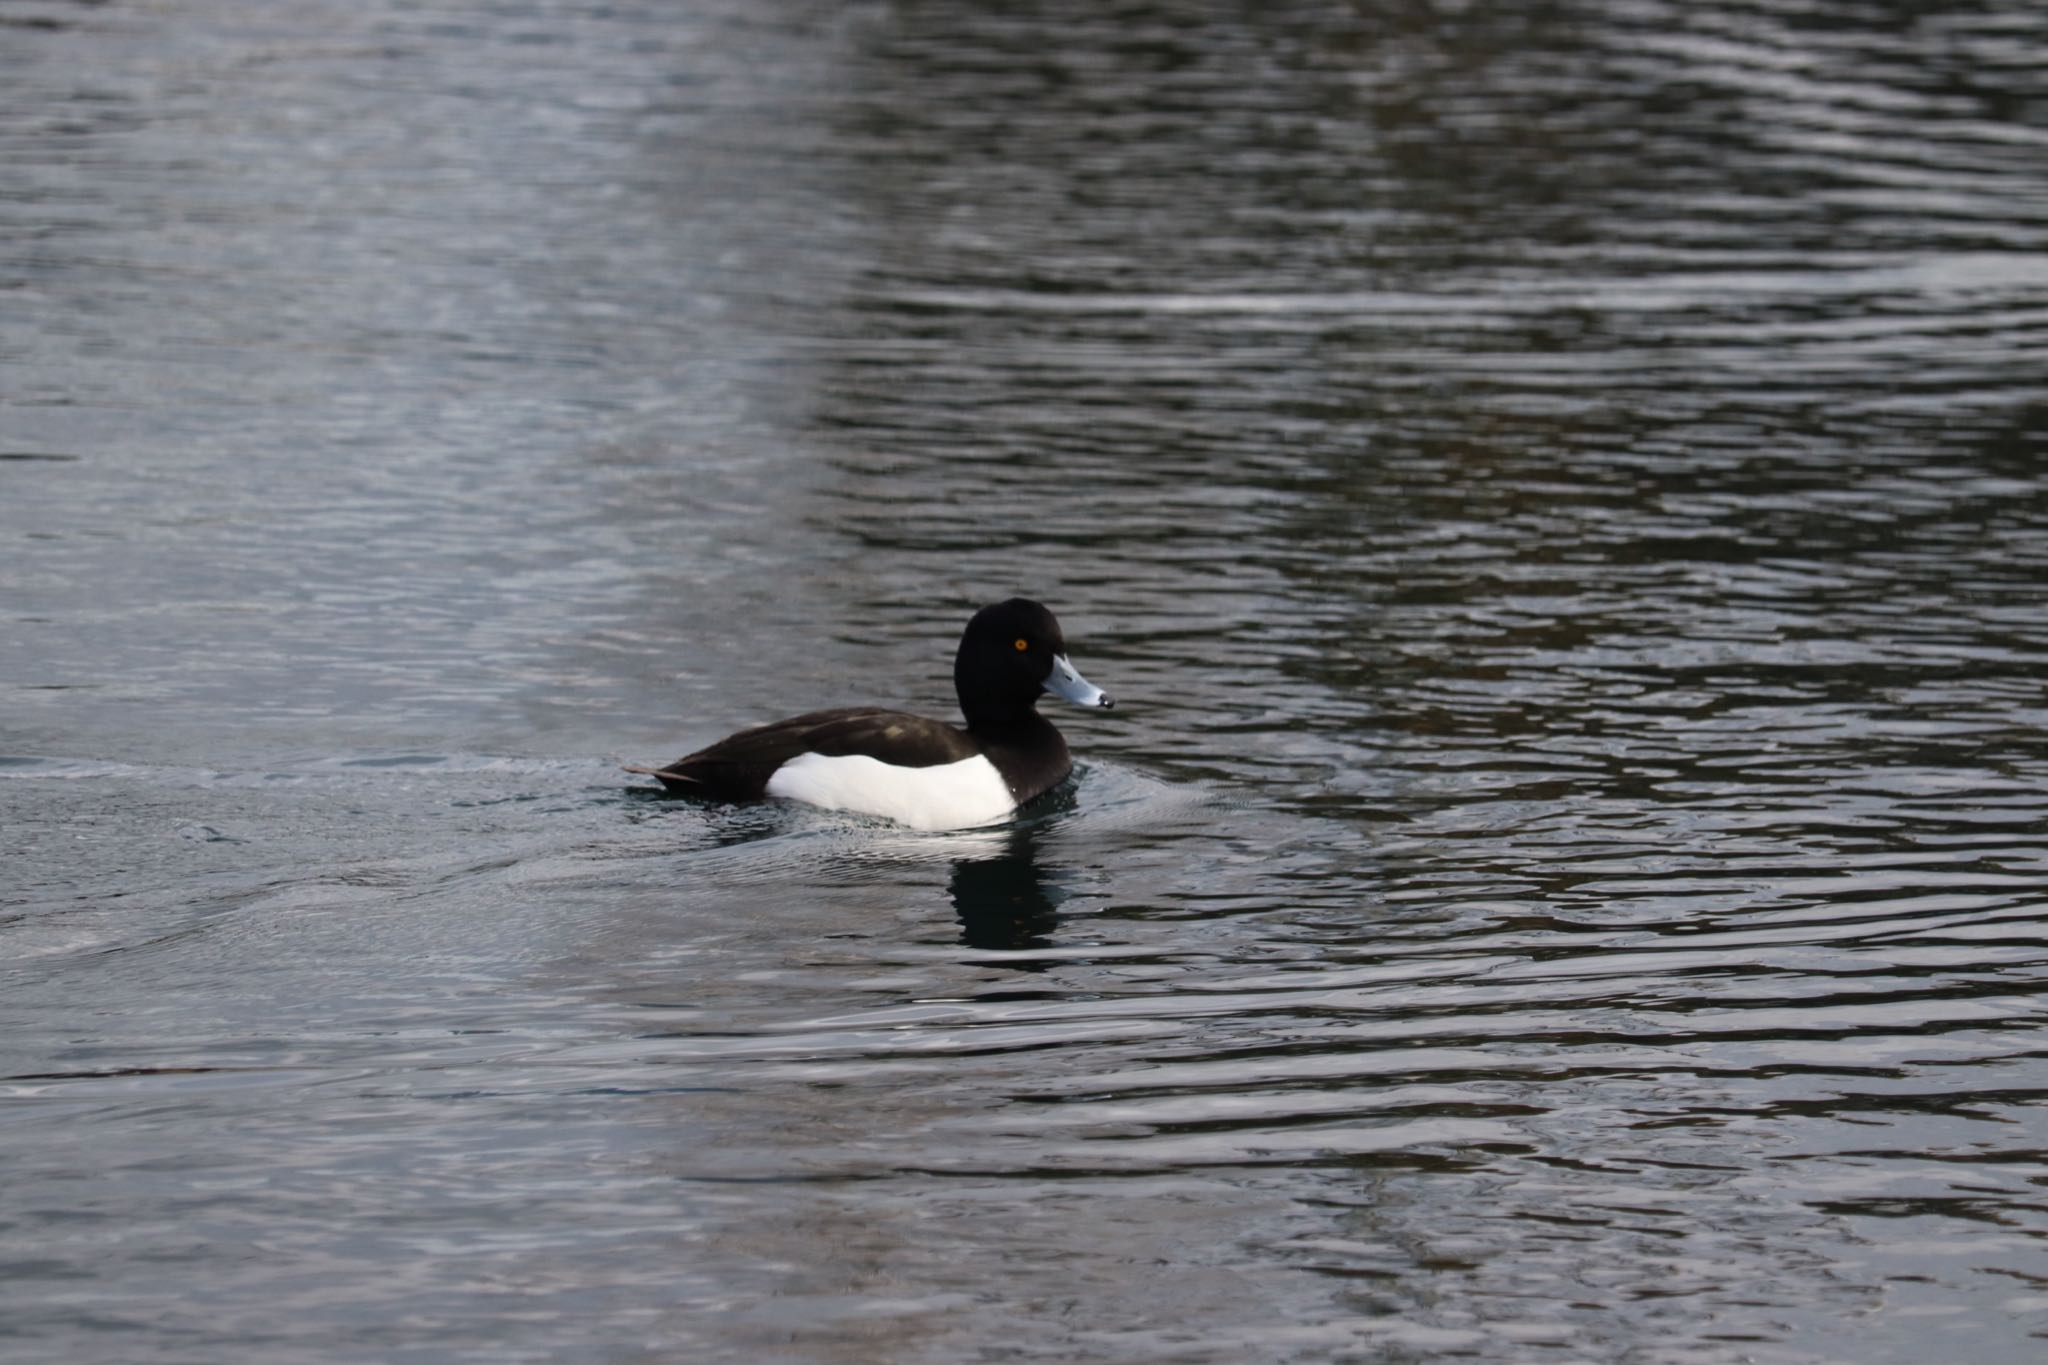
(948, 796)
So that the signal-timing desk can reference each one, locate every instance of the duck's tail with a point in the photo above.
(674, 781)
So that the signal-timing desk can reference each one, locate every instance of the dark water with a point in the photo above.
(1560, 491)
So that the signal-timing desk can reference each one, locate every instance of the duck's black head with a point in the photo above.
(1012, 652)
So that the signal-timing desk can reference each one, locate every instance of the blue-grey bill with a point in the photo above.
(1075, 688)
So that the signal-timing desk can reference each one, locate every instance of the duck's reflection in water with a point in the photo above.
(1007, 898)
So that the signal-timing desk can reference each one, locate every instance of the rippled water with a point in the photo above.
(1560, 492)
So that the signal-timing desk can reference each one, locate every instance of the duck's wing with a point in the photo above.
(738, 767)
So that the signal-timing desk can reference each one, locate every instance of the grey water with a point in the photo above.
(1559, 491)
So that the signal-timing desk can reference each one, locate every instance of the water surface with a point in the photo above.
(1559, 496)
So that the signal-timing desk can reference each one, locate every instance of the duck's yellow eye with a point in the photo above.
(1022, 644)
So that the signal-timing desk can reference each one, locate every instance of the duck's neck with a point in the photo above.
(1006, 724)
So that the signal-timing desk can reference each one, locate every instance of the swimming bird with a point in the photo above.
(923, 773)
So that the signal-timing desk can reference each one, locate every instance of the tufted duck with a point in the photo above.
(923, 773)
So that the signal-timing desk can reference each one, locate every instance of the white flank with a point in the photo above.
(949, 796)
